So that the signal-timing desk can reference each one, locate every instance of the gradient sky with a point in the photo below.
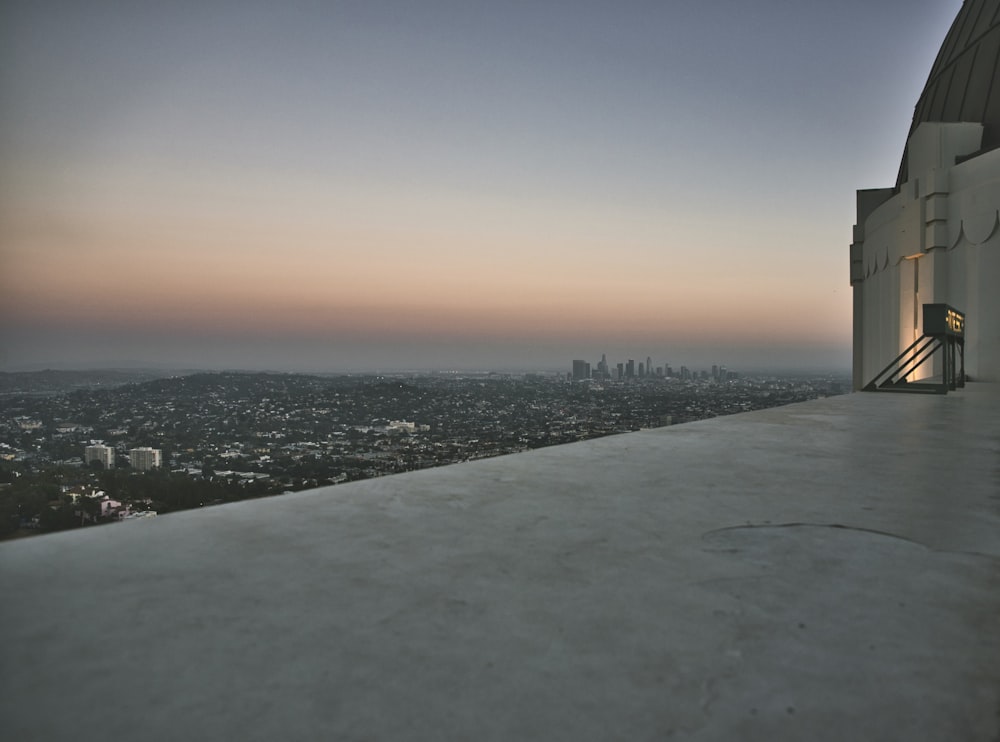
(422, 184)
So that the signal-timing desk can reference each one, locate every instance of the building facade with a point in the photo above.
(935, 236)
(145, 458)
(104, 454)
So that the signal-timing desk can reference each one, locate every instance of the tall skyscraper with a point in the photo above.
(630, 369)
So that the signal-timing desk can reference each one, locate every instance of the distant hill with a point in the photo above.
(52, 381)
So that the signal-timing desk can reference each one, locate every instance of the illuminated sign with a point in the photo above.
(940, 319)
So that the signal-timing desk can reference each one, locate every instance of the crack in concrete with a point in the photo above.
(842, 526)
(860, 529)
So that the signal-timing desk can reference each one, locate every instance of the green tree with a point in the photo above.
(59, 517)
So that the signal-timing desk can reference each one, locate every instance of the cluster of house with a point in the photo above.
(110, 509)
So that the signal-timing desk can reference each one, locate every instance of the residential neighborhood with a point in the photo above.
(109, 453)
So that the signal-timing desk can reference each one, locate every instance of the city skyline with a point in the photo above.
(442, 185)
(581, 369)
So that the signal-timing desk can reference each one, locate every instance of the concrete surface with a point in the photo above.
(822, 571)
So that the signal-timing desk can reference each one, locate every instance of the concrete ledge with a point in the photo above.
(823, 571)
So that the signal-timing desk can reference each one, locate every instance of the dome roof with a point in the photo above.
(964, 84)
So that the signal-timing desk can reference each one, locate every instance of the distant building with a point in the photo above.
(404, 426)
(581, 370)
(145, 458)
(602, 367)
(934, 237)
(97, 452)
(630, 369)
(109, 507)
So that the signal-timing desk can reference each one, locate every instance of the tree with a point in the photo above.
(9, 517)
(59, 517)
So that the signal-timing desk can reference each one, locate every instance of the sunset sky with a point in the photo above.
(328, 186)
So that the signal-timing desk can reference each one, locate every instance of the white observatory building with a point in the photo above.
(933, 238)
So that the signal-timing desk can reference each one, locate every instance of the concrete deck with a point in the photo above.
(823, 571)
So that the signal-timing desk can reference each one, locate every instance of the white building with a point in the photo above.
(401, 426)
(145, 458)
(934, 237)
(98, 452)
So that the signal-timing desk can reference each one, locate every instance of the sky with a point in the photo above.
(424, 184)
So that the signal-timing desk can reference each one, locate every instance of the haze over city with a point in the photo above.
(393, 185)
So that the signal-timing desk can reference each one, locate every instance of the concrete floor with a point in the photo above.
(823, 571)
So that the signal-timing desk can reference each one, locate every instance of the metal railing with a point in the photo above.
(944, 330)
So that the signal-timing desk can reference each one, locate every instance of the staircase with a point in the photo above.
(944, 330)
